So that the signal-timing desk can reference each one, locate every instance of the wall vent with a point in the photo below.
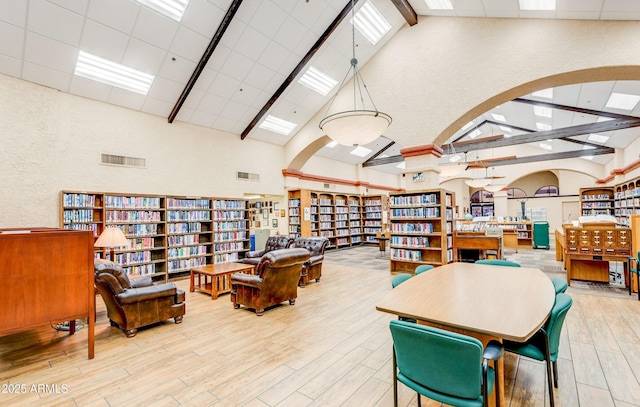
(329, 186)
(122, 161)
(248, 176)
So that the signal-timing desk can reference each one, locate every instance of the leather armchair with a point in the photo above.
(273, 243)
(276, 280)
(134, 303)
(313, 267)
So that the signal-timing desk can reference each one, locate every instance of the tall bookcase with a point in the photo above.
(372, 209)
(355, 219)
(421, 229)
(167, 235)
(597, 201)
(627, 201)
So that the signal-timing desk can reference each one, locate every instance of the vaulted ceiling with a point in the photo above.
(228, 64)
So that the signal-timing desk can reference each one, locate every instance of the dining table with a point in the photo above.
(486, 302)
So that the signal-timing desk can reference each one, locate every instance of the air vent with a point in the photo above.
(329, 186)
(120, 160)
(248, 176)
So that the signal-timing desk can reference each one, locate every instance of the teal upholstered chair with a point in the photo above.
(543, 345)
(422, 268)
(498, 262)
(399, 279)
(634, 261)
(442, 365)
(560, 284)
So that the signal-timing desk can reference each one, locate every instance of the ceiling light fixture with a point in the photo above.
(277, 125)
(622, 101)
(439, 4)
(370, 23)
(537, 5)
(173, 9)
(359, 125)
(317, 81)
(494, 187)
(110, 73)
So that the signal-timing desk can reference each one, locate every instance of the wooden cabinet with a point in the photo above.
(48, 278)
(167, 234)
(421, 229)
(596, 201)
(515, 234)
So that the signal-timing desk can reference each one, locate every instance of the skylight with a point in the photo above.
(622, 101)
(174, 9)
(475, 133)
(317, 81)
(466, 126)
(544, 93)
(277, 125)
(361, 151)
(370, 23)
(543, 126)
(110, 73)
(332, 144)
(538, 5)
(439, 4)
(498, 117)
(542, 111)
(598, 138)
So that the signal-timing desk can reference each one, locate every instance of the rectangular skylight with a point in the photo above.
(538, 5)
(622, 101)
(498, 117)
(544, 93)
(475, 133)
(543, 126)
(466, 126)
(174, 9)
(370, 23)
(361, 151)
(439, 4)
(317, 81)
(277, 125)
(598, 138)
(542, 111)
(110, 73)
(332, 144)
(546, 146)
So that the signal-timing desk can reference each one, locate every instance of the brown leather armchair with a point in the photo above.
(276, 280)
(273, 243)
(313, 267)
(134, 303)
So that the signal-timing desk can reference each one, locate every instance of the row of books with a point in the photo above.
(83, 226)
(596, 204)
(229, 246)
(228, 215)
(142, 269)
(79, 200)
(185, 264)
(420, 212)
(182, 240)
(342, 209)
(189, 251)
(181, 215)
(176, 203)
(342, 241)
(135, 202)
(77, 215)
(294, 211)
(140, 243)
(415, 200)
(342, 232)
(421, 241)
(128, 258)
(230, 225)
(224, 236)
(373, 202)
(596, 197)
(406, 254)
(133, 216)
(294, 203)
(229, 204)
(140, 229)
(190, 227)
(417, 228)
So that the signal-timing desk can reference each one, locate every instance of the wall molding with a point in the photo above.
(322, 179)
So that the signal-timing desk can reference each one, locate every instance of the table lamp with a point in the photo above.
(112, 237)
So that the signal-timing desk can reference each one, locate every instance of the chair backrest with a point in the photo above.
(560, 284)
(399, 279)
(111, 275)
(553, 327)
(443, 361)
(278, 242)
(498, 262)
(315, 245)
(281, 268)
(422, 268)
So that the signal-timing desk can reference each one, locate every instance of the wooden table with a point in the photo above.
(215, 279)
(475, 241)
(483, 301)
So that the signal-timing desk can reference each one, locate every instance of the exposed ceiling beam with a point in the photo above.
(213, 44)
(407, 11)
(303, 62)
(574, 109)
(553, 156)
(610, 125)
(382, 150)
(383, 161)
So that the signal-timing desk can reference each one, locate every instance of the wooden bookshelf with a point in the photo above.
(167, 234)
(421, 229)
(597, 201)
(355, 219)
(372, 209)
(627, 201)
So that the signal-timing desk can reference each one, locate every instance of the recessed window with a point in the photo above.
(317, 81)
(622, 101)
(110, 73)
(548, 190)
(370, 23)
(361, 151)
(516, 193)
(439, 4)
(173, 9)
(538, 5)
(277, 125)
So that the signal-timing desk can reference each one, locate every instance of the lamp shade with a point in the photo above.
(494, 187)
(112, 237)
(478, 182)
(355, 127)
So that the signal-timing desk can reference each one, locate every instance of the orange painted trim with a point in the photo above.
(619, 171)
(428, 149)
(319, 178)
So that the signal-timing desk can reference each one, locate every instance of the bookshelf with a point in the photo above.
(421, 229)
(326, 218)
(341, 214)
(167, 234)
(372, 209)
(596, 201)
(627, 201)
(355, 219)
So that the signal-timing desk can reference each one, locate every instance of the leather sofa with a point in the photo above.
(313, 267)
(138, 302)
(275, 280)
(272, 243)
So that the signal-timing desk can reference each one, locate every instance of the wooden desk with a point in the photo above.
(215, 279)
(476, 241)
(483, 301)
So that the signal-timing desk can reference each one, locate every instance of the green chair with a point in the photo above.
(498, 262)
(634, 270)
(543, 345)
(560, 284)
(422, 268)
(399, 279)
(442, 365)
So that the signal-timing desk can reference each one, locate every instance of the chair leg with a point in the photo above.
(555, 374)
(419, 399)
(496, 368)
(395, 379)
(549, 370)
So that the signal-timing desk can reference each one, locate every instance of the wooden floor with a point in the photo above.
(332, 348)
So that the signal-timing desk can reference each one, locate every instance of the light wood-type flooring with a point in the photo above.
(332, 348)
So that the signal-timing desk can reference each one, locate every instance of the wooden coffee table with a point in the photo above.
(215, 279)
